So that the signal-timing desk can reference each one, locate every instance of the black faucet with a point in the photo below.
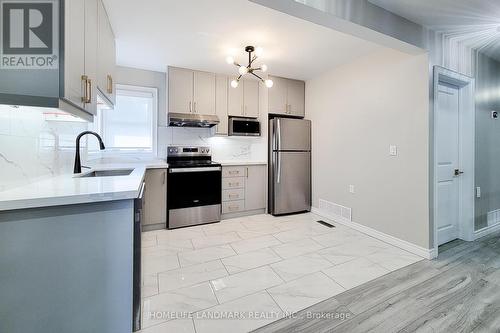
(78, 163)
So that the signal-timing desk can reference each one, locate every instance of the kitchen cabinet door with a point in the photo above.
(180, 90)
(91, 52)
(74, 51)
(255, 187)
(296, 98)
(235, 99)
(107, 55)
(155, 197)
(251, 98)
(278, 96)
(204, 93)
(221, 86)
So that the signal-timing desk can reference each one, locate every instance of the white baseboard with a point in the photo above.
(407, 246)
(486, 231)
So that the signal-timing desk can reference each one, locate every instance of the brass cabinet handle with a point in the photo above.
(234, 196)
(110, 84)
(194, 107)
(87, 98)
(190, 109)
(235, 172)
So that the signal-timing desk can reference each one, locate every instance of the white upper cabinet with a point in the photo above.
(235, 100)
(287, 97)
(191, 91)
(74, 52)
(84, 47)
(278, 96)
(251, 98)
(180, 90)
(243, 101)
(106, 63)
(296, 98)
(204, 93)
(221, 90)
(91, 50)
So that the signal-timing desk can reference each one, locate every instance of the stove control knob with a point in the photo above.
(207, 150)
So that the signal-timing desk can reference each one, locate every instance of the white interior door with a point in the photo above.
(448, 160)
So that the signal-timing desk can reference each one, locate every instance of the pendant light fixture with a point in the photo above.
(253, 54)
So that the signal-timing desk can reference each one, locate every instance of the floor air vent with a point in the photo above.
(326, 224)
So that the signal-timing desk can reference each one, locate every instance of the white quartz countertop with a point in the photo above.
(148, 164)
(241, 162)
(69, 189)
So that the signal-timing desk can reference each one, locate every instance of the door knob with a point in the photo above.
(458, 172)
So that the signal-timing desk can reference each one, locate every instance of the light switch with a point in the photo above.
(351, 188)
(478, 192)
(393, 150)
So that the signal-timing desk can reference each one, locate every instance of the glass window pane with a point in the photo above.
(129, 126)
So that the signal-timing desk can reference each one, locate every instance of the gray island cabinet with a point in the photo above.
(67, 268)
(67, 253)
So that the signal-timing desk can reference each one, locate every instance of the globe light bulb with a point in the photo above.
(263, 68)
(269, 83)
(234, 84)
(230, 60)
(242, 70)
(258, 51)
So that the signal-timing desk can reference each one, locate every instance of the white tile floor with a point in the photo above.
(244, 273)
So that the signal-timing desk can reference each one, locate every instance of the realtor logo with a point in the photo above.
(28, 35)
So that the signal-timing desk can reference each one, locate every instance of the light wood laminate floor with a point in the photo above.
(457, 292)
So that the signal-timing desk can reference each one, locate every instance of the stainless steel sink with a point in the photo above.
(107, 173)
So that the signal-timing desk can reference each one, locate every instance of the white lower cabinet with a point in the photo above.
(243, 189)
(155, 197)
(255, 187)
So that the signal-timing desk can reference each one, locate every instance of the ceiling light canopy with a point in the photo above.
(243, 70)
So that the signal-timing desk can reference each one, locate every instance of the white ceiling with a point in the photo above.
(199, 34)
(473, 22)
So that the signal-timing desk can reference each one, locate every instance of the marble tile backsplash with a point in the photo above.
(223, 148)
(35, 143)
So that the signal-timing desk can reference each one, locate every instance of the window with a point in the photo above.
(131, 125)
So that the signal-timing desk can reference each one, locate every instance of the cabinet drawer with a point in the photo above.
(238, 171)
(233, 206)
(235, 194)
(233, 182)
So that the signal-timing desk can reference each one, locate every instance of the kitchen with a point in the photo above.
(178, 168)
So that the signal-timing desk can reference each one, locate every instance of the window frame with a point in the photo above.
(154, 130)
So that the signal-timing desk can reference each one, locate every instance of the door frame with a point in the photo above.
(466, 91)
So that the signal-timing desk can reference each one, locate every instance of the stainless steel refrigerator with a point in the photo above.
(289, 166)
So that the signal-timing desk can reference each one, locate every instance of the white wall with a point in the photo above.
(358, 110)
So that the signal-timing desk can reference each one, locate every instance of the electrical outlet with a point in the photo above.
(351, 188)
(393, 150)
(478, 192)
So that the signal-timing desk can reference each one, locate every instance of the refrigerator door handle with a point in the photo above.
(278, 177)
(278, 134)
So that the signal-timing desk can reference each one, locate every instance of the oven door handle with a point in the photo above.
(185, 170)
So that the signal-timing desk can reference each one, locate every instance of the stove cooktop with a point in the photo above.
(192, 164)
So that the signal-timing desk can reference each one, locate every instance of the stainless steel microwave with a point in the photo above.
(243, 126)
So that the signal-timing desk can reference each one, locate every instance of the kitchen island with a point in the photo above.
(67, 254)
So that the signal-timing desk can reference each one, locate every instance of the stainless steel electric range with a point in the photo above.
(194, 187)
